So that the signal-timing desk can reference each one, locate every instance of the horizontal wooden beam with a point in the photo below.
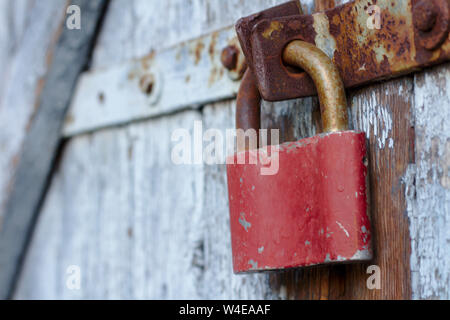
(184, 76)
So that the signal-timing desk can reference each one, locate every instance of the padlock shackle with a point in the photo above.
(248, 110)
(330, 88)
(326, 77)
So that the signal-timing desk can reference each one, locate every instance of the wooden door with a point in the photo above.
(139, 226)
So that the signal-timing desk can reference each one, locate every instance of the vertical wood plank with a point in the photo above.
(429, 181)
(135, 224)
(384, 112)
(143, 29)
(122, 212)
(28, 30)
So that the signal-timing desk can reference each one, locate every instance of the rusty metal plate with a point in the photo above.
(411, 35)
(245, 25)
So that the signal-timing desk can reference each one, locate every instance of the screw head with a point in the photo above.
(229, 57)
(425, 15)
(146, 83)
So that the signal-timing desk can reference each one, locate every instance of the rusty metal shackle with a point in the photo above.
(326, 77)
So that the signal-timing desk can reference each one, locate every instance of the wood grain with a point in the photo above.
(141, 227)
(41, 143)
(187, 76)
(429, 180)
(28, 30)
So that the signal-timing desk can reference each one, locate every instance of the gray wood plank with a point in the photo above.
(42, 140)
(140, 227)
(27, 33)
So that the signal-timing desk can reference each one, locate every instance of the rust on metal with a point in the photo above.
(333, 102)
(245, 25)
(146, 83)
(229, 57)
(330, 88)
(248, 109)
(313, 209)
(431, 19)
(425, 14)
(361, 52)
(233, 59)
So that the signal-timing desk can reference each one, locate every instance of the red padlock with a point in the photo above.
(314, 209)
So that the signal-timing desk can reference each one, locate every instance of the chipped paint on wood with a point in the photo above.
(375, 120)
(100, 192)
(364, 54)
(116, 180)
(427, 191)
(28, 31)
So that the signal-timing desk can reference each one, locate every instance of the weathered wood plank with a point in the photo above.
(27, 33)
(106, 214)
(141, 227)
(185, 76)
(42, 140)
(166, 252)
(143, 27)
(429, 186)
(384, 112)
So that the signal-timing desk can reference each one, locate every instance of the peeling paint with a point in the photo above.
(362, 255)
(343, 229)
(253, 263)
(375, 120)
(273, 27)
(426, 187)
(324, 40)
(243, 222)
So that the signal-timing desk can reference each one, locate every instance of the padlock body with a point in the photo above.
(312, 210)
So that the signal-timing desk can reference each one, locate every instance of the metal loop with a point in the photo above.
(326, 77)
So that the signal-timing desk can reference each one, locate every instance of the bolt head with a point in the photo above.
(146, 83)
(229, 57)
(425, 15)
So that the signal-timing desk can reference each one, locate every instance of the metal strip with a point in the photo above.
(367, 40)
(185, 76)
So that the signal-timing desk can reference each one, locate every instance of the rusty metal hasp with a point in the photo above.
(367, 40)
(306, 204)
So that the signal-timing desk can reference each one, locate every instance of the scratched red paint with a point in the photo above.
(314, 211)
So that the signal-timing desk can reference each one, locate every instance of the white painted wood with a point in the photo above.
(141, 227)
(27, 32)
(186, 75)
(429, 195)
(147, 26)
(121, 211)
(218, 280)
(137, 225)
(41, 144)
